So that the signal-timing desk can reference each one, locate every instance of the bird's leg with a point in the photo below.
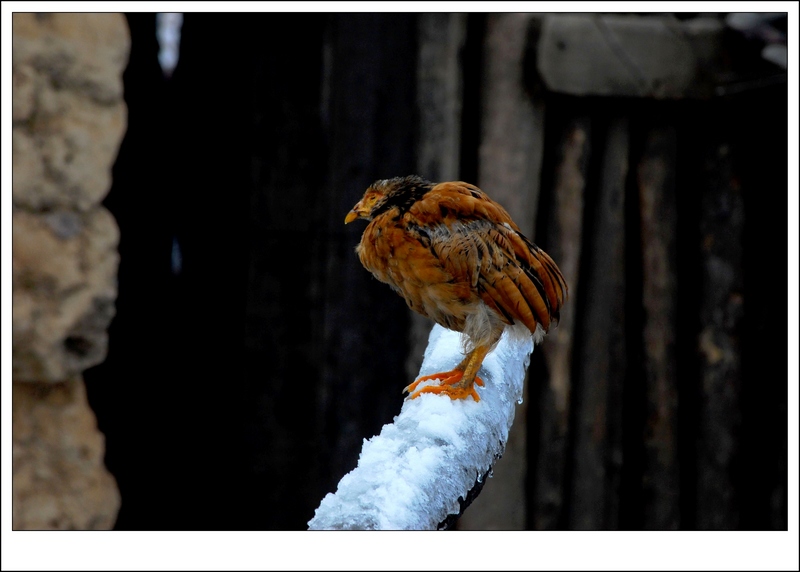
(457, 383)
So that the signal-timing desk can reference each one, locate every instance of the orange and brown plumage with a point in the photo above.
(456, 257)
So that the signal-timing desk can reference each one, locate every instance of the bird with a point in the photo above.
(458, 258)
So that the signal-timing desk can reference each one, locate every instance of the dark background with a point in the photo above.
(239, 386)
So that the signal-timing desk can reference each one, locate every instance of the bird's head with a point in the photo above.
(385, 194)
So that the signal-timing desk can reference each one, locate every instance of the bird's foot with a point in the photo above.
(451, 384)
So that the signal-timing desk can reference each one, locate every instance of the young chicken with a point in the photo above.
(456, 257)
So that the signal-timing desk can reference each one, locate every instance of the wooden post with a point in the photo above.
(439, 103)
(510, 158)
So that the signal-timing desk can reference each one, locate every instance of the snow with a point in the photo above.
(411, 475)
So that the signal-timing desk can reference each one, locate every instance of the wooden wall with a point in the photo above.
(647, 154)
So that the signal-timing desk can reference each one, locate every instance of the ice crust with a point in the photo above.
(411, 475)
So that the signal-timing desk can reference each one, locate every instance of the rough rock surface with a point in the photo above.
(69, 118)
(64, 273)
(59, 478)
(68, 112)
(68, 121)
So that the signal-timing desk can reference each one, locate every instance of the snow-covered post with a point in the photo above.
(423, 469)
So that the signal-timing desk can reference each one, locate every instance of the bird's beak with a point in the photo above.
(351, 216)
(358, 212)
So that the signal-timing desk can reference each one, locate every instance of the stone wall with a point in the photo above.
(69, 118)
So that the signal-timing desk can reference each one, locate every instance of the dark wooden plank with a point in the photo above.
(761, 165)
(563, 243)
(721, 225)
(286, 166)
(369, 112)
(601, 353)
(658, 216)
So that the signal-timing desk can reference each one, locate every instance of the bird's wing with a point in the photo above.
(476, 241)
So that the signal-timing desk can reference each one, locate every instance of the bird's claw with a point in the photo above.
(447, 385)
(445, 377)
(451, 391)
